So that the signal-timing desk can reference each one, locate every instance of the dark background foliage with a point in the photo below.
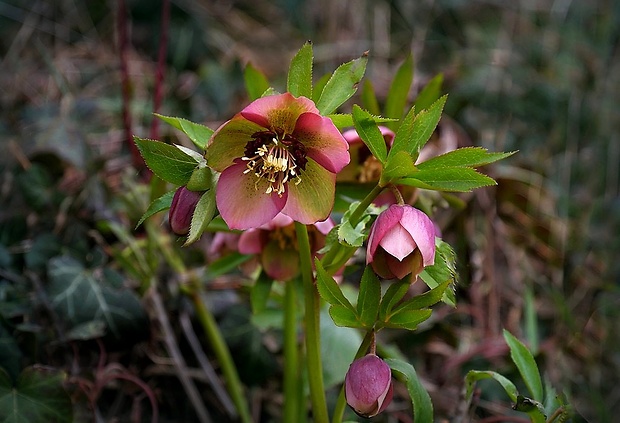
(537, 254)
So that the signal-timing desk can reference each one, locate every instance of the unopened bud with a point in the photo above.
(368, 385)
(182, 209)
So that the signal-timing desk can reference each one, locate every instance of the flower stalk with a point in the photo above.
(291, 354)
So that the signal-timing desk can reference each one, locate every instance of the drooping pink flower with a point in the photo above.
(368, 385)
(277, 155)
(182, 209)
(401, 241)
(275, 244)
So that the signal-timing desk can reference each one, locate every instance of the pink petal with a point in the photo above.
(422, 230)
(323, 142)
(250, 241)
(386, 220)
(242, 201)
(278, 111)
(228, 142)
(325, 226)
(312, 199)
(398, 242)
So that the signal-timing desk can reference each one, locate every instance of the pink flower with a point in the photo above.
(277, 155)
(368, 385)
(275, 243)
(401, 241)
(182, 209)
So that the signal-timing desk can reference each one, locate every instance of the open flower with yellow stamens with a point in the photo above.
(277, 155)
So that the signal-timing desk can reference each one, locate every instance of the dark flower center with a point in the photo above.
(276, 157)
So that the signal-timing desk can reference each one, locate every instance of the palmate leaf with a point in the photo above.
(80, 295)
(38, 396)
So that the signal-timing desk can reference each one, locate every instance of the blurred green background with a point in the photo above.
(538, 254)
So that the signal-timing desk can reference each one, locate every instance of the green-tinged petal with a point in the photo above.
(278, 112)
(242, 201)
(229, 141)
(312, 199)
(323, 142)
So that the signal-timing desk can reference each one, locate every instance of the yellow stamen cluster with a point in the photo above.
(275, 163)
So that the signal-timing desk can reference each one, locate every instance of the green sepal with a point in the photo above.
(201, 179)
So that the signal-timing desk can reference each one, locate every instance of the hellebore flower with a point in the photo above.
(368, 385)
(277, 155)
(275, 243)
(401, 241)
(182, 209)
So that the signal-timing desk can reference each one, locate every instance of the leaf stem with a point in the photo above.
(291, 354)
(312, 328)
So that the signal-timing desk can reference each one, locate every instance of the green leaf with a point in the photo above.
(475, 375)
(534, 409)
(80, 295)
(408, 319)
(425, 300)
(160, 204)
(344, 120)
(399, 165)
(524, 360)
(343, 316)
(166, 161)
(369, 133)
(399, 92)
(203, 215)
(38, 396)
(319, 86)
(341, 85)
(197, 133)
(369, 98)
(444, 269)
(395, 292)
(299, 81)
(328, 289)
(421, 400)
(260, 292)
(256, 82)
(430, 93)
(369, 298)
(463, 157)
(452, 179)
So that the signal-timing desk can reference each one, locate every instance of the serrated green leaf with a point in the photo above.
(399, 92)
(341, 85)
(425, 300)
(204, 213)
(343, 316)
(328, 289)
(160, 204)
(299, 81)
(38, 396)
(421, 400)
(319, 86)
(524, 360)
(463, 157)
(399, 165)
(475, 375)
(166, 161)
(260, 292)
(451, 179)
(430, 93)
(369, 132)
(256, 82)
(369, 98)
(197, 133)
(408, 319)
(395, 292)
(342, 120)
(444, 269)
(369, 298)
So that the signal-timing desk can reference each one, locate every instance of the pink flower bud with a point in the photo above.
(402, 241)
(182, 209)
(368, 385)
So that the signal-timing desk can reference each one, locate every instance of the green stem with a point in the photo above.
(291, 354)
(222, 353)
(341, 403)
(312, 328)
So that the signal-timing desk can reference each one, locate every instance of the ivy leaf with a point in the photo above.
(160, 204)
(203, 215)
(197, 133)
(341, 85)
(369, 298)
(421, 400)
(451, 179)
(524, 360)
(256, 82)
(299, 81)
(430, 93)
(463, 157)
(399, 92)
(38, 396)
(166, 161)
(369, 132)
